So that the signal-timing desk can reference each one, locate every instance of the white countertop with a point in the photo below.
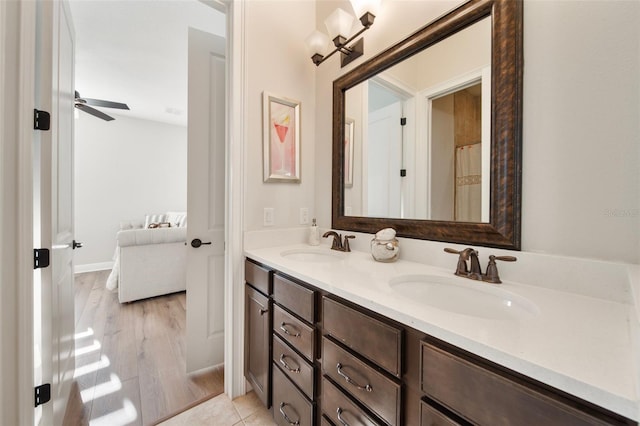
(579, 344)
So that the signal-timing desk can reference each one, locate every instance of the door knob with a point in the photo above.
(76, 244)
(197, 242)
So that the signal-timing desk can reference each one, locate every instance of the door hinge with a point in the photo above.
(43, 394)
(41, 120)
(403, 121)
(403, 172)
(40, 258)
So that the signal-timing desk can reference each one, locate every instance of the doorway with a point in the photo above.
(149, 135)
(455, 152)
(389, 107)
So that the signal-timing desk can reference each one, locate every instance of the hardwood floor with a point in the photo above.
(130, 358)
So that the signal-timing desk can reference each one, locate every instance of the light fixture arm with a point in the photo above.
(350, 52)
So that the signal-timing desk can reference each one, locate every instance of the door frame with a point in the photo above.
(234, 383)
(236, 131)
(17, 75)
(423, 151)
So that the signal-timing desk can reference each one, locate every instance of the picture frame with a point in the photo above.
(348, 152)
(281, 138)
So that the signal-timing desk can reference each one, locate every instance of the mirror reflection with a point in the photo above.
(417, 136)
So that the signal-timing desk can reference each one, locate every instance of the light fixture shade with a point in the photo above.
(360, 7)
(339, 23)
(317, 43)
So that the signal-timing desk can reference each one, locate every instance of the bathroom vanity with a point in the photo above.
(341, 339)
(345, 346)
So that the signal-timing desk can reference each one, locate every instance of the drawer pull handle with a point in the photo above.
(285, 365)
(349, 380)
(263, 311)
(340, 419)
(287, 332)
(282, 405)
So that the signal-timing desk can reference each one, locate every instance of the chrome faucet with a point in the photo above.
(337, 243)
(474, 271)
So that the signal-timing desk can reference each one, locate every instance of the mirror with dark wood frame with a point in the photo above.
(502, 229)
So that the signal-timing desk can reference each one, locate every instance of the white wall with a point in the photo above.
(277, 62)
(419, 73)
(443, 170)
(581, 150)
(355, 101)
(124, 169)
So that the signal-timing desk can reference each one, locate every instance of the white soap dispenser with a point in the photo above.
(314, 235)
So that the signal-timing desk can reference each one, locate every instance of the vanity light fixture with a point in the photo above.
(339, 25)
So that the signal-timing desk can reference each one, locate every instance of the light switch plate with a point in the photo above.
(268, 216)
(304, 216)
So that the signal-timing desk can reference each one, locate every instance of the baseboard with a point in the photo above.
(91, 267)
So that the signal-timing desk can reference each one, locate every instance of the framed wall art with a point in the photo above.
(281, 133)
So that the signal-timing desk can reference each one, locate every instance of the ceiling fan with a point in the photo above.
(83, 105)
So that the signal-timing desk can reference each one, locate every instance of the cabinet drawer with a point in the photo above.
(430, 416)
(294, 366)
(289, 405)
(335, 403)
(487, 398)
(325, 422)
(297, 333)
(378, 393)
(258, 276)
(373, 339)
(296, 298)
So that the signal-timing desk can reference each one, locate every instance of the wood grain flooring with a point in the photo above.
(130, 358)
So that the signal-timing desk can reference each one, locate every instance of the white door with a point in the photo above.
(205, 201)
(53, 210)
(384, 162)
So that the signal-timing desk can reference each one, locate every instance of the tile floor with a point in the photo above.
(221, 411)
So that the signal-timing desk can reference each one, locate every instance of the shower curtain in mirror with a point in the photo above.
(468, 196)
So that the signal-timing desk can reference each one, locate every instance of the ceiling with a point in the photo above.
(135, 51)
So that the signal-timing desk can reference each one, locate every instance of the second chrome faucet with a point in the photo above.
(338, 244)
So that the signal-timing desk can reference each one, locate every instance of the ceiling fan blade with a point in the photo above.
(103, 103)
(94, 112)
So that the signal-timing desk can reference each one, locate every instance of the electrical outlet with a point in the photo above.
(304, 216)
(268, 216)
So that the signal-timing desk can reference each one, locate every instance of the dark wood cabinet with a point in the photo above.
(341, 409)
(376, 340)
(294, 366)
(257, 336)
(296, 298)
(259, 277)
(257, 333)
(290, 406)
(333, 362)
(487, 395)
(371, 388)
(362, 360)
(299, 334)
(432, 416)
(294, 352)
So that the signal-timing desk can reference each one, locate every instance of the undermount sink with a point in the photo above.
(463, 296)
(311, 255)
